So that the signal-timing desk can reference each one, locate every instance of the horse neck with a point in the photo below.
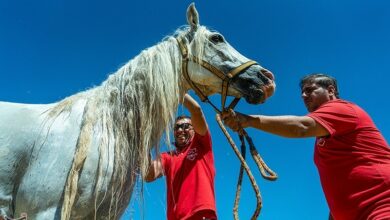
(142, 97)
(130, 112)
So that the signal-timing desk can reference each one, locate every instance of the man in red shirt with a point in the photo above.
(352, 156)
(189, 169)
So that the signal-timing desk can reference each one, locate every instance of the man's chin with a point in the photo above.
(312, 108)
(309, 108)
(181, 144)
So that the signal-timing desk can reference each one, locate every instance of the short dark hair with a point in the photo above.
(320, 79)
(182, 117)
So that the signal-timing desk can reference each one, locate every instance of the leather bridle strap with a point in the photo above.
(226, 82)
(184, 68)
(226, 78)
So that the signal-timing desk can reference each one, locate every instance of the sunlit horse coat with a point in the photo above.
(79, 158)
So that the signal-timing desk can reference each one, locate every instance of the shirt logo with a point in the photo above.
(192, 153)
(321, 142)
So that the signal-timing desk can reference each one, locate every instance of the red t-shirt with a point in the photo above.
(353, 162)
(190, 178)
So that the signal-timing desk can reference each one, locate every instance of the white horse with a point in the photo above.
(79, 158)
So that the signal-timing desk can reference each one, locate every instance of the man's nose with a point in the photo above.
(180, 129)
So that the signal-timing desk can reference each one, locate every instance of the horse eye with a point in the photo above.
(216, 38)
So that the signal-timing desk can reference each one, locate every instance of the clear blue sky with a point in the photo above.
(50, 49)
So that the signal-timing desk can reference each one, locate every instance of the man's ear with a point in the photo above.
(332, 91)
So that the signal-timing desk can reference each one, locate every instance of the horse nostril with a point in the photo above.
(268, 74)
(256, 97)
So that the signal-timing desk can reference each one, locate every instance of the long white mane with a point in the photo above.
(128, 114)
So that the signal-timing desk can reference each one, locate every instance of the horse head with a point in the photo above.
(211, 65)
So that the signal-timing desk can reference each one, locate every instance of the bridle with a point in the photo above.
(225, 77)
(265, 171)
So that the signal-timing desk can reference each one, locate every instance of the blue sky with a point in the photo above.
(50, 49)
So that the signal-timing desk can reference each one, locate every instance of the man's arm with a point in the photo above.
(286, 126)
(155, 171)
(197, 118)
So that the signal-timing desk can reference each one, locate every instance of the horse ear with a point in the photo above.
(192, 17)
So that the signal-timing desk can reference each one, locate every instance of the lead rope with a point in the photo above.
(265, 171)
(239, 182)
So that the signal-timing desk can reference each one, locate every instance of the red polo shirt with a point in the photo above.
(190, 178)
(353, 162)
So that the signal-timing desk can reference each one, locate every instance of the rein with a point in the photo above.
(265, 171)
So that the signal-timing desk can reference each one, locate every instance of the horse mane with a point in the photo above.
(130, 112)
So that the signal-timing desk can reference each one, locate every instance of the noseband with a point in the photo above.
(225, 77)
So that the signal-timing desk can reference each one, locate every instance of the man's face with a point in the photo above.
(314, 95)
(183, 132)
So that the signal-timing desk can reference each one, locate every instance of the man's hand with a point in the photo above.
(155, 171)
(235, 121)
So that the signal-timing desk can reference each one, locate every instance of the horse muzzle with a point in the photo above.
(258, 96)
(256, 84)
